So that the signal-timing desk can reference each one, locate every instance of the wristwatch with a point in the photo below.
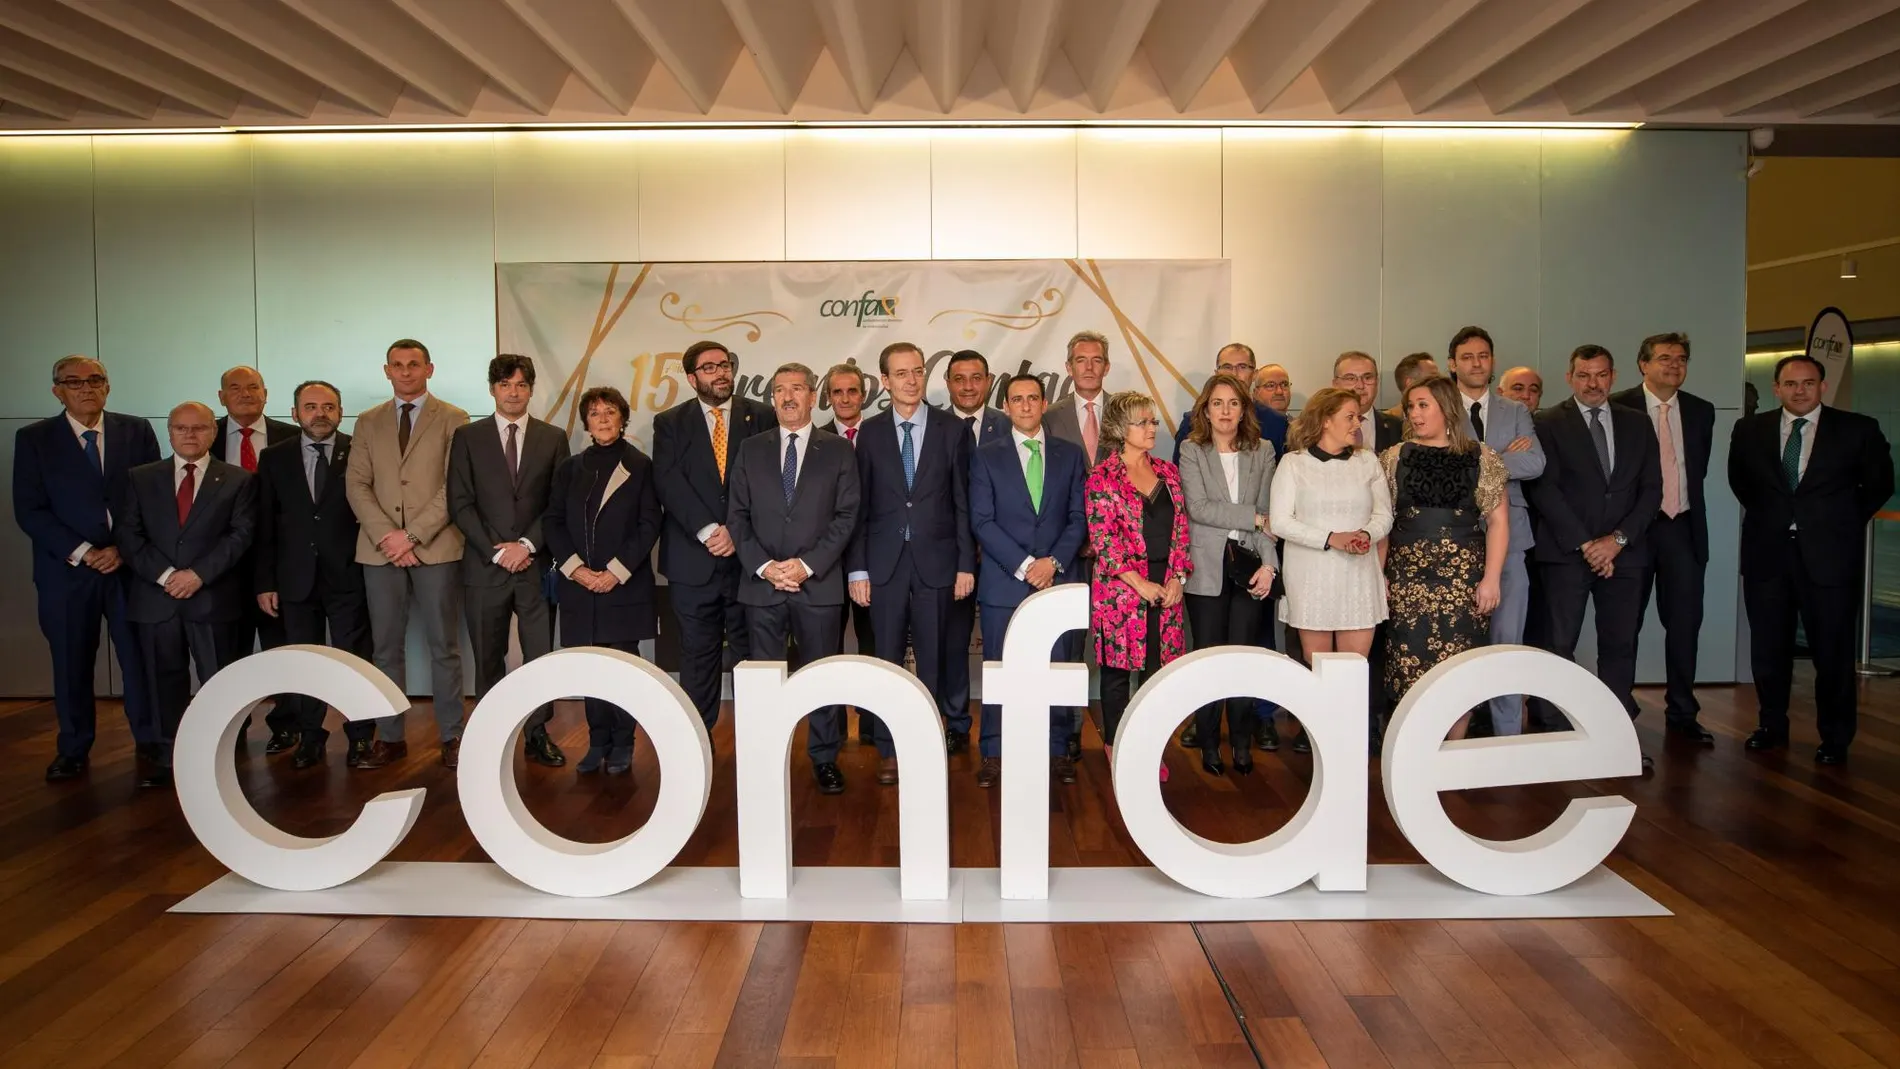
(1621, 539)
(413, 540)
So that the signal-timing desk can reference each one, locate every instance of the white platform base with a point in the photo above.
(870, 895)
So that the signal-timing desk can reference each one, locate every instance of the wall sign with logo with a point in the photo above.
(1831, 342)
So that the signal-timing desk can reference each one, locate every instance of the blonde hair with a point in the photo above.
(1446, 396)
(1121, 410)
(1320, 407)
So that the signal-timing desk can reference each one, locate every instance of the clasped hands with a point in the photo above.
(397, 549)
(596, 582)
(1600, 555)
(1357, 543)
(102, 559)
(789, 575)
(183, 583)
(1165, 595)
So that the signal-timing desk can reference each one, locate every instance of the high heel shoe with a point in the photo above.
(1243, 762)
(1210, 763)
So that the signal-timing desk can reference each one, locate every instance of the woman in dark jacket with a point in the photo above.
(603, 518)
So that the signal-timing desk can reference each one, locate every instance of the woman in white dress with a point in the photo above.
(1330, 505)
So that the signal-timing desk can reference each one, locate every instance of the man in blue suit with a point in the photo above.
(1237, 359)
(68, 471)
(967, 374)
(912, 554)
(1026, 513)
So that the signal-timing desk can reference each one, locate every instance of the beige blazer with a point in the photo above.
(390, 490)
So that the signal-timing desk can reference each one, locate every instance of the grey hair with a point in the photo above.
(1119, 412)
(811, 377)
(65, 362)
(1086, 335)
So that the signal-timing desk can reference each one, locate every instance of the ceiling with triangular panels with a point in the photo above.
(89, 64)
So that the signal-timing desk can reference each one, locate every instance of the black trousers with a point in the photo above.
(260, 630)
(1568, 588)
(1230, 618)
(489, 610)
(797, 631)
(1118, 683)
(1828, 614)
(609, 727)
(1677, 578)
(334, 617)
(858, 619)
(710, 620)
(908, 611)
(953, 699)
(171, 649)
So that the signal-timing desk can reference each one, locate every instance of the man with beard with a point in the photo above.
(694, 446)
(305, 561)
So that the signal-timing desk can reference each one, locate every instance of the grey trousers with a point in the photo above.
(437, 592)
(1507, 629)
(490, 609)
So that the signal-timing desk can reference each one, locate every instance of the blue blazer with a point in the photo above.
(1010, 529)
(60, 498)
(936, 507)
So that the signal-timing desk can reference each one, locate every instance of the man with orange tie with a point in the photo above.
(694, 444)
(1679, 535)
(243, 432)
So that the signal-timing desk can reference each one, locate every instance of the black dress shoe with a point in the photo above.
(955, 742)
(830, 780)
(1830, 755)
(1649, 764)
(1690, 729)
(540, 749)
(1075, 747)
(1301, 744)
(1190, 738)
(281, 741)
(309, 750)
(152, 775)
(1266, 737)
(65, 768)
(359, 749)
(1210, 763)
(1763, 739)
(592, 760)
(619, 761)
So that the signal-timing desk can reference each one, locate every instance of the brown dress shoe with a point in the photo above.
(887, 772)
(451, 752)
(1064, 769)
(989, 772)
(383, 753)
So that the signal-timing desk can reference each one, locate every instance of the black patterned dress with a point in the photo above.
(1435, 555)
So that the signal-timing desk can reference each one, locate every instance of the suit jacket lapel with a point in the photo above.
(210, 484)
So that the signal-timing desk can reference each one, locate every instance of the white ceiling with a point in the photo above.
(250, 63)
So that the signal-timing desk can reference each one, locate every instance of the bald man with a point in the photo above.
(243, 432)
(1523, 385)
(1273, 387)
(188, 523)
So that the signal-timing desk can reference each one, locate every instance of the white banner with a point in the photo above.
(625, 325)
(1831, 344)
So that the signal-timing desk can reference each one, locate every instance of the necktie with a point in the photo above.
(1666, 448)
(1091, 430)
(1477, 421)
(851, 435)
(402, 427)
(513, 453)
(247, 453)
(1791, 453)
(92, 451)
(1601, 439)
(320, 475)
(970, 422)
(719, 441)
(789, 474)
(1034, 474)
(910, 467)
(186, 487)
(1359, 434)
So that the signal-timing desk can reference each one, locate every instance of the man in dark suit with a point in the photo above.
(1026, 513)
(188, 522)
(68, 474)
(1809, 478)
(694, 446)
(967, 375)
(913, 554)
(1237, 359)
(306, 573)
(1358, 372)
(847, 387)
(1598, 495)
(1679, 535)
(499, 474)
(243, 434)
(794, 506)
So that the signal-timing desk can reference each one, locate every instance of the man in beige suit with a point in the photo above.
(409, 548)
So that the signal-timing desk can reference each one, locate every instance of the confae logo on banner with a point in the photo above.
(1324, 843)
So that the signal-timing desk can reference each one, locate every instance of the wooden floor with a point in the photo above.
(1785, 950)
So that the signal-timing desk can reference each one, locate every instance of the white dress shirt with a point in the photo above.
(1807, 436)
(1022, 457)
(78, 555)
(178, 480)
(1230, 472)
(234, 439)
(502, 423)
(1484, 408)
(706, 413)
(1650, 403)
(841, 427)
(799, 447)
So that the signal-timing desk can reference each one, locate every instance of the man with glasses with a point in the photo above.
(1236, 359)
(1358, 372)
(67, 470)
(1273, 387)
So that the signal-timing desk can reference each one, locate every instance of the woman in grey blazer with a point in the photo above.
(1226, 471)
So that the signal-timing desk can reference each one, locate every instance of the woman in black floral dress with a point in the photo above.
(1450, 533)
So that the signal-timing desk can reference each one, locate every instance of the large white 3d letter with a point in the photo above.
(522, 845)
(1419, 763)
(766, 710)
(1324, 842)
(215, 805)
(1027, 686)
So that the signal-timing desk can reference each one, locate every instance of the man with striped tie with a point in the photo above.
(243, 433)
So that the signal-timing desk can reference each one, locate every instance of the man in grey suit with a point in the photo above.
(500, 471)
(1505, 426)
(1078, 417)
(793, 508)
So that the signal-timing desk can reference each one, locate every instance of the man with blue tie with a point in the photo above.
(912, 554)
(967, 374)
(67, 471)
(1026, 508)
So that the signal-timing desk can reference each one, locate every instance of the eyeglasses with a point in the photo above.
(1150, 423)
(1240, 370)
(1368, 377)
(92, 382)
(712, 367)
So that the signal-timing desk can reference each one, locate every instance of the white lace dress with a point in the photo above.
(1327, 590)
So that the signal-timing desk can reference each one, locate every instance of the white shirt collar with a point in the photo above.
(1081, 405)
(1788, 418)
(501, 423)
(232, 426)
(178, 464)
(723, 406)
(1020, 437)
(804, 433)
(961, 414)
(309, 441)
(79, 429)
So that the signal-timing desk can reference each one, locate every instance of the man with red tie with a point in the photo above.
(242, 433)
(847, 387)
